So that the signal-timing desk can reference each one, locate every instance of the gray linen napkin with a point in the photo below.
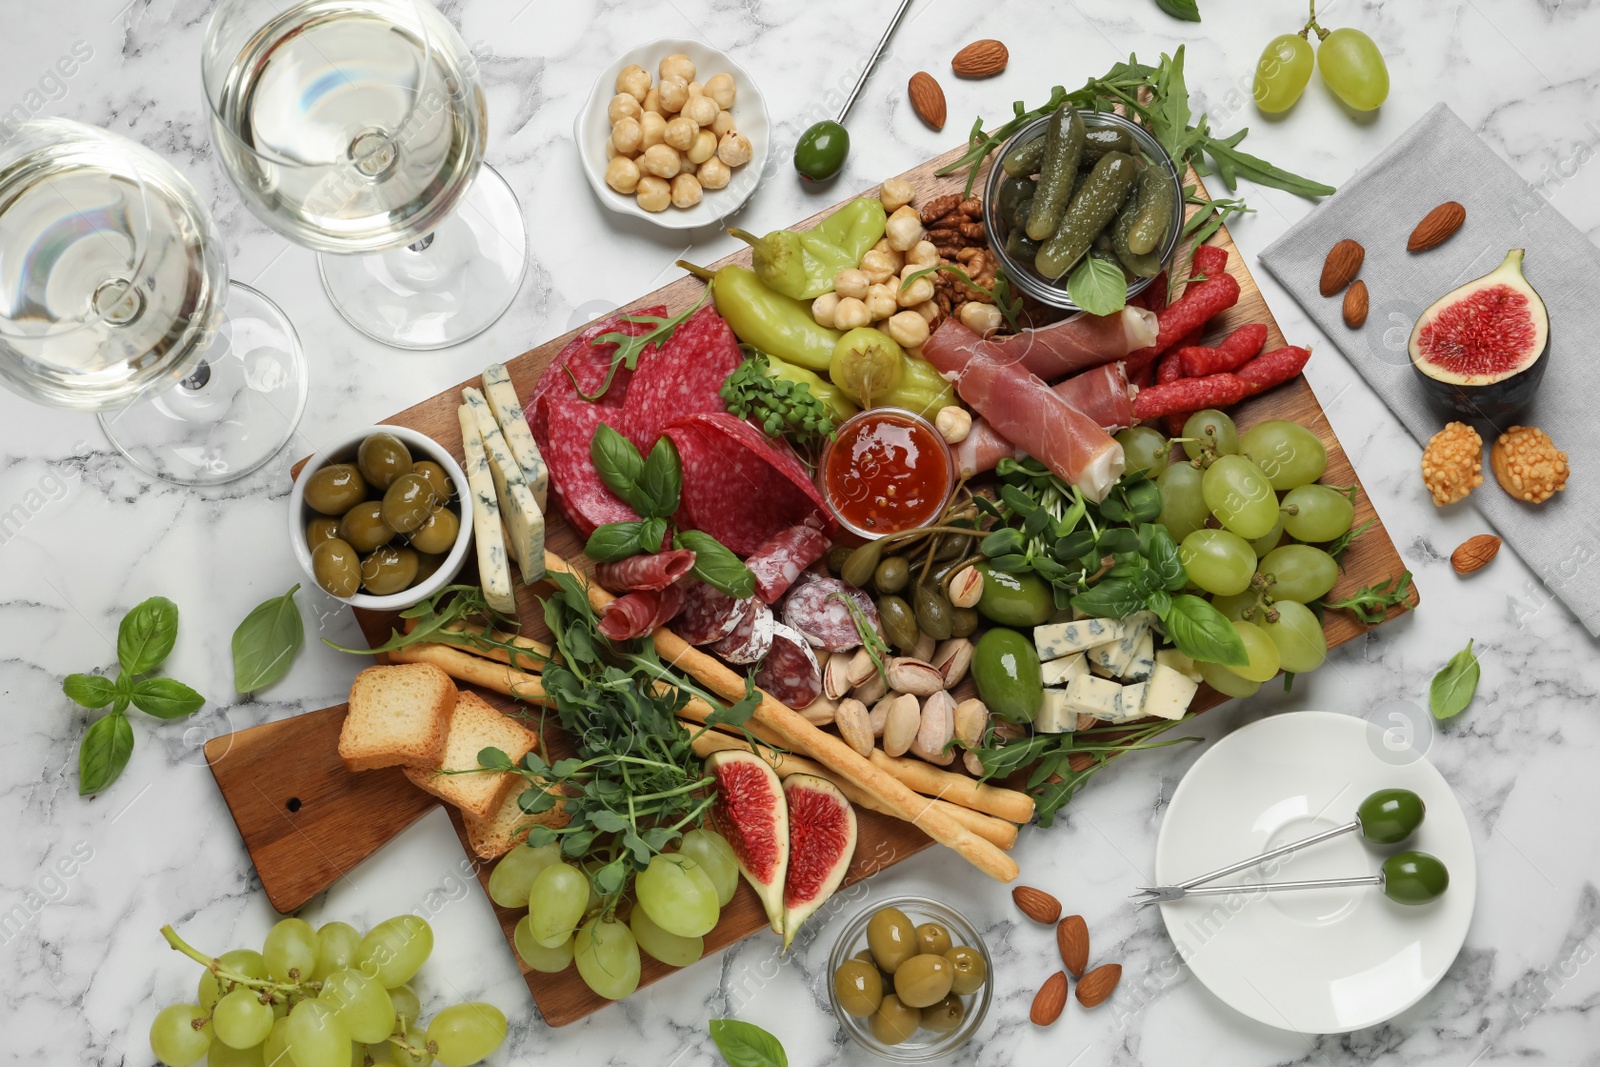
(1440, 159)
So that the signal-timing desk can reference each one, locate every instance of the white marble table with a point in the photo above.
(81, 964)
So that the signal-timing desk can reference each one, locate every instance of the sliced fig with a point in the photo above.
(1479, 349)
(822, 838)
(751, 813)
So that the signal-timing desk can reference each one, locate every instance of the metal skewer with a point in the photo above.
(820, 152)
(1405, 877)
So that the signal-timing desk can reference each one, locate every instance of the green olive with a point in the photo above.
(335, 489)
(858, 987)
(389, 570)
(894, 1022)
(1389, 816)
(1015, 599)
(835, 559)
(944, 1016)
(860, 564)
(321, 529)
(933, 938)
(923, 980)
(1006, 669)
(383, 457)
(436, 477)
(892, 938)
(891, 575)
(438, 533)
(899, 623)
(427, 563)
(967, 969)
(963, 621)
(364, 528)
(408, 503)
(932, 610)
(820, 151)
(337, 568)
(1413, 878)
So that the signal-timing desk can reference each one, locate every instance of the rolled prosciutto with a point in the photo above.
(1077, 343)
(1102, 394)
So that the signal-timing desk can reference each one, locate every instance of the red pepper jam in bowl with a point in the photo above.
(885, 471)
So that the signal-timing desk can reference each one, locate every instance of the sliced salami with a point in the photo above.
(737, 486)
(645, 573)
(574, 483)
(683, 378)
(790, 670)
(589, 363)
(638, 614)
(751, 637)
(782, 559)
(816, 610)
(708, 614)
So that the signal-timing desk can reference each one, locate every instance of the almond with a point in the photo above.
(1342, 265)
(1072, 938)
(927, 99)
(1437, 226)
(980, 59)
(1355, 305)
(1474, 553)
(1096, 986)
(1036, 904)
(1048, 1002)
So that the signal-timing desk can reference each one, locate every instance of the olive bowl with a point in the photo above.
(924, 1046)
(342, 449)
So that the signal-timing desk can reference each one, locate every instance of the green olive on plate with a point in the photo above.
(364, 528)
(437, 533)
(383, 457)
(335, 489)
(408, 502)
(390, 569)
(337, 568)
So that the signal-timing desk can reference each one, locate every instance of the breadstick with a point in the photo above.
(1008, 804)
(465, 667)
(538, 650)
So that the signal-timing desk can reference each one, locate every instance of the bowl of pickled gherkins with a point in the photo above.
(376, 519)
(910, 980)
(1079, 198)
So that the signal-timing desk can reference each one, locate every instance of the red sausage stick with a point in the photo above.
(1232, 352)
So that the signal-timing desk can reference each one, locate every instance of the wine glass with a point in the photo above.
(114, 297)
(356, 128)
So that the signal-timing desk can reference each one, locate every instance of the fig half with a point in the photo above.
(822, 838)
(750, 811)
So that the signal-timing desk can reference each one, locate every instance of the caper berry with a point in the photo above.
(963, 621)
(858, 987)
(836, 557)
(932, 611)
(858, 568)
(335, 489)
(891, 575)
(337, 568)
(383, 457)
(899, 622)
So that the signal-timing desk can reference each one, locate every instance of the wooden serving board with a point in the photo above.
(306, 820)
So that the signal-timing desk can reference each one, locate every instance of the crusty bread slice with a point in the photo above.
(509, 826)
(475, 726)
(399, 716)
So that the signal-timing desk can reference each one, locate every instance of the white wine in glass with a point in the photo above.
(356, 128)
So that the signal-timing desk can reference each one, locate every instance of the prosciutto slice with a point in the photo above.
(638, 614)
(645, 573)
(1077, 343)
(1102, 394)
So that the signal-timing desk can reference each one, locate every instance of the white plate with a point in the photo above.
(1314, 961)
(592, 127)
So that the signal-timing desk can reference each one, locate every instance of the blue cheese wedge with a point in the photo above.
(1171, 657)
(1054, 716)
(1089, 695)
(1114, 657)
(524, 521)
(1057, 639)
(1063, 670)
(1167, 693)
(502, 397)
(494, 567)
(1144, 659)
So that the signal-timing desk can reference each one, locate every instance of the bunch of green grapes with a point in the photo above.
(327, 996)
(1350, 62)
(679, 898)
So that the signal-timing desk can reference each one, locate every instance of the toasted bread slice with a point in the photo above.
(399, 716)
(475, 726)
(509, 826)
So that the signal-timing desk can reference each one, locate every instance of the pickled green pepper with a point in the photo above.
(778, 325)
(802, 264)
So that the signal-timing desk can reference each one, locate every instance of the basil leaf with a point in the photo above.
(661, 480)
(1097, 287)
(715, 565)
(1201, 632)
(746, 1045)
(166, 698)
(1112, 598)
(266, 642)
(652, 533)
(1162, 554)
(89, 690)
(1454, 687)
(104, 752)
(1187, 10)
(614, 541)
(619, 465)
(147, 635)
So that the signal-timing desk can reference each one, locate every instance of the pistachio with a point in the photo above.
(879, 719)
(914, 676)
(923, 649)
(836, 676)
(952, 658)
(966, 586)
(855, 726)
(861, 667)
(871, 690)
(936, 729)
(973, 764)
(971, 721)
(820, 712)
(902, 725)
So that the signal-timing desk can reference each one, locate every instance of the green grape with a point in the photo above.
(1211, 430)
(1287, 453)
(607, 957)
(403, 999)
(1282, 72)
(513, 876)
(315, 1037)
(1317, 513)
(1234, 607)
(395, 949)
(1238, 495)
(557, 901)
(466, 1033)
(275, 1049)
(678, 895)
(1297, 634)
(1269, 541)
(715, 856)
(1218, 561)
(223, 1056)
(1299, 572)
(1262, 652)
(245, 961)
(1353, 68)
(173, 1037)
(1183, 505)
(336, 947)
(1145, 450)
(360, 1003)
(670, 949)
(291, 950)
(544, 960)
(240, 1020)
(416, 1055)
(358, 1054)
(1224, 681)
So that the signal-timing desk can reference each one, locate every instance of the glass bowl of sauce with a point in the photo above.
(886, 470)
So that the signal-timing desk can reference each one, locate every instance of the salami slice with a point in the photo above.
(790, 670)
(588, 363)
(752, 637)
(708, 614)
(645, 573)
(737, 486)
(638, 614)
(782, 559)
(815, 610)
(574, 483)
(683, 378)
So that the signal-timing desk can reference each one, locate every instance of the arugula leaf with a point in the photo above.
(166, 698)
(1372, 603)
(1339, 545)
(105, 750)
(1455, 685)
(266, 642)
(631, 346)
(715, 565)
(746, 1045)
(1097, 287)
(739, 712)
(1231, 162)
(619, 465)
(146, 635)
(89, 690)
(1201, 632)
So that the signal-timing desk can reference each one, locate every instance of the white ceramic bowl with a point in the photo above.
(343, 450)
(592, 127)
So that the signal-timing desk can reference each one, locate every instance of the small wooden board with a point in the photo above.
(341, 817)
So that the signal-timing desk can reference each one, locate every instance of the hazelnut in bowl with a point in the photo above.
(379, 518)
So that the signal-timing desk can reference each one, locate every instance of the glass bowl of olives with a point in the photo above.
(376, 518)
(910, 980)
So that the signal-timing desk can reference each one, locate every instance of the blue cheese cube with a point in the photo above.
(1167, 693)
(1144, 659)
(1089, 695)
(1057, 639)
(1171, 657)
(1054, 716)
(1129, 702)
(1114, 657)
(1063, 670)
